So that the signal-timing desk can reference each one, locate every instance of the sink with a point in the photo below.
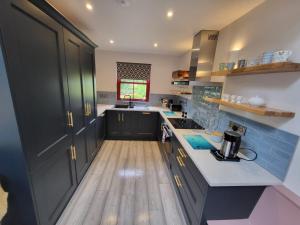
(198, 142)
(124, 106)
(121, 106)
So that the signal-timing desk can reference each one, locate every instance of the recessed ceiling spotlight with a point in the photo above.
(89, 6)
(111, 41)
(170, 14)
(124, 3)
(155, 45)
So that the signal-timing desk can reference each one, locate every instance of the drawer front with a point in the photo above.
(189, 214)
(191, 168)
(196, 186)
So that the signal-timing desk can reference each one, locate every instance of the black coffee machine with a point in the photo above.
(230, 147)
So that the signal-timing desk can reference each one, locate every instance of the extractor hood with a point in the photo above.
(203, 54)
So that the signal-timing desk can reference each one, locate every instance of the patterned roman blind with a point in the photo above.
(133, 71)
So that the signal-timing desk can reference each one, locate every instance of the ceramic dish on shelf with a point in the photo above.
(281, 56)
(257, 101)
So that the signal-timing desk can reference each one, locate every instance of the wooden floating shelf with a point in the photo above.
(261, 69)
(263, 111)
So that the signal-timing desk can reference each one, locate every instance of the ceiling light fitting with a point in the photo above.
(170, 14)
(89, 6)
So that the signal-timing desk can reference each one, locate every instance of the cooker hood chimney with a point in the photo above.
(203, 54)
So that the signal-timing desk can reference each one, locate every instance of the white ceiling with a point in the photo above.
(136, 27)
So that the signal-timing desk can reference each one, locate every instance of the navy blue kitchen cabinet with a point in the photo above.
(146, 125)
(101, 129)
(48, 113)
(131, 125)
(114, 124)
(201, 202)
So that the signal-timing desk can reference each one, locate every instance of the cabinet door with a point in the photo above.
(87, 62)
(39, 87)
(129, 122)
(101, 129)
(113, 124)
(75, 84)
(146, 125)
(159, 131)
(91, 139)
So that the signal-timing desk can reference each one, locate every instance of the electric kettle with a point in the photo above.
(231, 144)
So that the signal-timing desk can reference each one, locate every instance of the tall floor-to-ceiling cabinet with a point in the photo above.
(47, 110)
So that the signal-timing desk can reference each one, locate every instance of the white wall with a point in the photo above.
(161, 70)
(272, 25)
(184, 61)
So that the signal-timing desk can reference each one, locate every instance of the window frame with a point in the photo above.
(147, 84)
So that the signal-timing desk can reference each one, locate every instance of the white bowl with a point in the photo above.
(256, 101)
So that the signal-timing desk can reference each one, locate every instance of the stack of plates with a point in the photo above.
(266, 58)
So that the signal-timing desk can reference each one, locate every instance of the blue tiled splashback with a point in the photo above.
(275, 147)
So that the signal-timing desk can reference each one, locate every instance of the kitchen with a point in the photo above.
(180, 118)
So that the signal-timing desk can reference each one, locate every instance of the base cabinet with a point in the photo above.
(131, 125)
(201, 202)
(101, 129)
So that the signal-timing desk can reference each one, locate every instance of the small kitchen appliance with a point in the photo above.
(230, 147)
(175, 107)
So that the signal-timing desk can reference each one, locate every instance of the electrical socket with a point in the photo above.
(237, 127)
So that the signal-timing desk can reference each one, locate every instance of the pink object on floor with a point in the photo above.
(277, 206)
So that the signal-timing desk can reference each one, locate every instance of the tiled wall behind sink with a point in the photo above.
(110, 98)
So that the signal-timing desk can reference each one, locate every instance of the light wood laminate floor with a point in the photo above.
(127, 184)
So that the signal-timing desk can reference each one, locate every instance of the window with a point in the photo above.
(133, 80)
(137, 89)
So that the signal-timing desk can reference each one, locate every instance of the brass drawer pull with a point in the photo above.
(73, 152)
(86, 113)
(119, 117)
(177, 180)
(89, 109)
(183, 155)
(180, 161)
(146, 113)
(70, 119)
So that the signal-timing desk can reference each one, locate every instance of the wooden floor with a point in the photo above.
(127, 184)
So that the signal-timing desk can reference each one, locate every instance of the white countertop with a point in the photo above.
(216, 173)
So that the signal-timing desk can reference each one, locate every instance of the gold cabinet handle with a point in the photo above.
(75, 152)
(122, 117)
(177, 180)
(180, 161)
(71, 152)
(86, 109)
(146, 113)
(70, 119)
(119, 117)
(90, 109)
(183, 155)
